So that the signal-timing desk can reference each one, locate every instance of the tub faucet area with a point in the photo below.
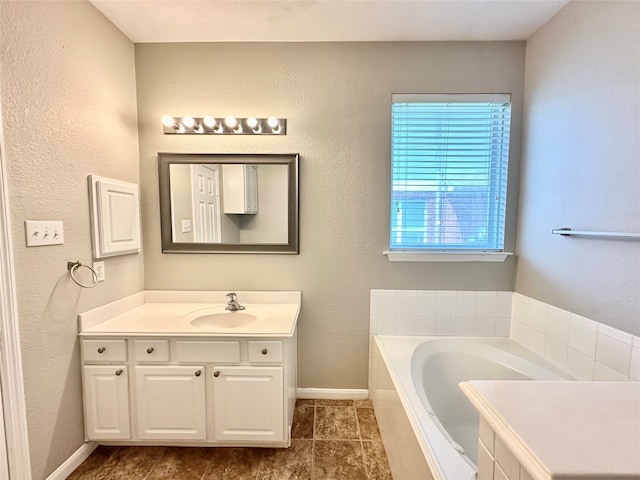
(232, 304)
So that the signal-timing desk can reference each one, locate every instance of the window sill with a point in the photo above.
(451, 257)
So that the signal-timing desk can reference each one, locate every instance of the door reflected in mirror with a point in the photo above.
(229, 203)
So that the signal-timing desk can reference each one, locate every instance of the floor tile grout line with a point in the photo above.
(313, 443)
(364, 461)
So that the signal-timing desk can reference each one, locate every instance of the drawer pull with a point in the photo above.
(198, 373)
(150, 350)
(264, 351)
(216, 374)
(118, 372)
(101, 349)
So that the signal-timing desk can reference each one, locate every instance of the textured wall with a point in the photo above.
(337, 101)
(581, 163)
(68, 105)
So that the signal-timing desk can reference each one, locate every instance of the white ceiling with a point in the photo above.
(150, 21)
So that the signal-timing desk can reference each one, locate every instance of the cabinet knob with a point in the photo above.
(101, 350)
(150, 350)
(264, 351)
(216, 374)
(118, 372)
(198, 373)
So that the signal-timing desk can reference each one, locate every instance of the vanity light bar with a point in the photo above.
(223, 126)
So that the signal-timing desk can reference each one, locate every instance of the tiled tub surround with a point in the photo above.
(580, 347)
(440, 312)
(585, 349)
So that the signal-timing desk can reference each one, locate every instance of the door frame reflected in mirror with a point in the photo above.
(291, 161)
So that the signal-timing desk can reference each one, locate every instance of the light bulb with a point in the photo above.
(209, 121)
(168, 121)
(231, 122)
(252, 122)
(272, 122)
(188, 122)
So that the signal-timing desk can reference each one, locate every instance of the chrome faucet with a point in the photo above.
(232, 304)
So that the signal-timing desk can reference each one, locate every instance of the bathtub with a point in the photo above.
(428, 427)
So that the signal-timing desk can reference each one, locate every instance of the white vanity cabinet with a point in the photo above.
(190, 390)
(106, 392)
(171, 402)
(248, 404)
(240, 188)
(106, 389)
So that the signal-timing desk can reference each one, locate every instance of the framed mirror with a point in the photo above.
(229, 203)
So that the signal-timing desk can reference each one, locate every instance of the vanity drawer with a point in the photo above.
(265, 351)
(199, 351)
(151, 350)
(104, 350)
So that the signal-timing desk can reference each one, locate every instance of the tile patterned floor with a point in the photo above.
(331, 439)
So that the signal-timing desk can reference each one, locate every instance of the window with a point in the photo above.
(449, 156)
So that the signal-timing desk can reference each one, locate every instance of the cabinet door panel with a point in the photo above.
(170, 402)
(249, 403)
(106, 402)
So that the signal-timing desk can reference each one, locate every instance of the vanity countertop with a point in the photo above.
(565, 430)
(171, 313)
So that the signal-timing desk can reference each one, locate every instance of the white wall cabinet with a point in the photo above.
(190, 390)
(106, 392)
(240, 189)
(115, 217)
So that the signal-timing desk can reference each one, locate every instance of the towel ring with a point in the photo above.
(73, 266)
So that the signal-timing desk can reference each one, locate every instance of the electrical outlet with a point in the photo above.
(40, 233)
(98, 267)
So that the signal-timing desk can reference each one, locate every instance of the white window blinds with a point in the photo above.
(449, 157)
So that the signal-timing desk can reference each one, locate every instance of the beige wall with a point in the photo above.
(336, 98)
(581, 163)
(68, 105)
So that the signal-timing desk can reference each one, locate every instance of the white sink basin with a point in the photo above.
(219, 318)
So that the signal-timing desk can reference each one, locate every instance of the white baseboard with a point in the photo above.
(333, 393)
(73, 462)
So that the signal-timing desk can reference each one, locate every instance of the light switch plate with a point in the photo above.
(40, 233)
(186, 226)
